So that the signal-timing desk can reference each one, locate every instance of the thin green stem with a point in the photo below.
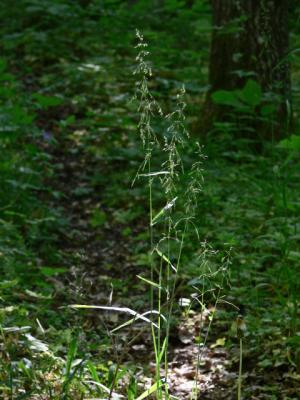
(240, 370)
(200, 353)
(171, 302)
(160, 282)
(156, 340)
(151, 234)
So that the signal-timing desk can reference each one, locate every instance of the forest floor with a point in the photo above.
(102, 249)
(103, 258)
(76, 232)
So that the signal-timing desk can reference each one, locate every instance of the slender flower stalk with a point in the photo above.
(175, 221)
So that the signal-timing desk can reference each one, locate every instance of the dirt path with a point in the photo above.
(100, 255)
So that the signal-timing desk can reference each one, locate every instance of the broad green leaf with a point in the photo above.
(48, 271)
(8, 284)
(267, 110)
(252, 93)
(47, 101)
(226, 98)
(291, 143)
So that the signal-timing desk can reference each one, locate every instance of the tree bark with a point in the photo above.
(250, 39)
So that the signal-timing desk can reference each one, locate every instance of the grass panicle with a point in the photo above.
(175, 222)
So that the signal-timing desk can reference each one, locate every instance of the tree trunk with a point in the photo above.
(250, 40)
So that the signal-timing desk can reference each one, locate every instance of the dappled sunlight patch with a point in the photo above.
(201, 364)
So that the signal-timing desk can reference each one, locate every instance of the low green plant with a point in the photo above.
(172, 224)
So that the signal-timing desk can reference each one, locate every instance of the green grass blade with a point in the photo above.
(163, 211)
(93, 371)
(165, 258)
(149, 282)
(163, 349)
(118, 309)
(134, 319)
(151, 390)
(71, 355)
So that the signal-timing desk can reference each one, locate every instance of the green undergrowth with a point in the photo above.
(66, 84)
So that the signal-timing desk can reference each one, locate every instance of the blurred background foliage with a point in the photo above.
(69, 224)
